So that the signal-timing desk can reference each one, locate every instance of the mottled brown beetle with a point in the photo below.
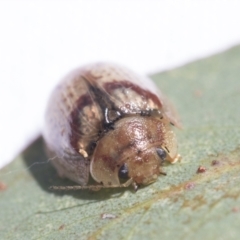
(105, 120)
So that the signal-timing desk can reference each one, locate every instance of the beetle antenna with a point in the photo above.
(92, 187)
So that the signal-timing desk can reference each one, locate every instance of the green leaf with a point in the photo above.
(182, 205)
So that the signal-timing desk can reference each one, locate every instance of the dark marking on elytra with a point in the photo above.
(95, 95)
(113, 85)
(101, 98)
(92, 145)
(110, 112)
(75, 123)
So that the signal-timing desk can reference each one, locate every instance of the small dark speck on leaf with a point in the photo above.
(147, 222)
(146, 208)
(215, 163)
(3, 186)
(201, 169)
(198, 93)
(190, 186)
(236, 209)
(61, 227)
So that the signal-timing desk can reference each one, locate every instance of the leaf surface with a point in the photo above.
(182, 205)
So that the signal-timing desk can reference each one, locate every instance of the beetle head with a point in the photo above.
(135, 149)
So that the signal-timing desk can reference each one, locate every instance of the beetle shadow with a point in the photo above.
(39, 165)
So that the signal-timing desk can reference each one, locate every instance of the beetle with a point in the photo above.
(105, 121)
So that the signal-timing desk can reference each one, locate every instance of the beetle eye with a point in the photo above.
(161, 153)
(123, 171)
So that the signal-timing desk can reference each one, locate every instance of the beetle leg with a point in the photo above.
(135, 186)
(93, 187)
(177, 158)
(83, 152)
